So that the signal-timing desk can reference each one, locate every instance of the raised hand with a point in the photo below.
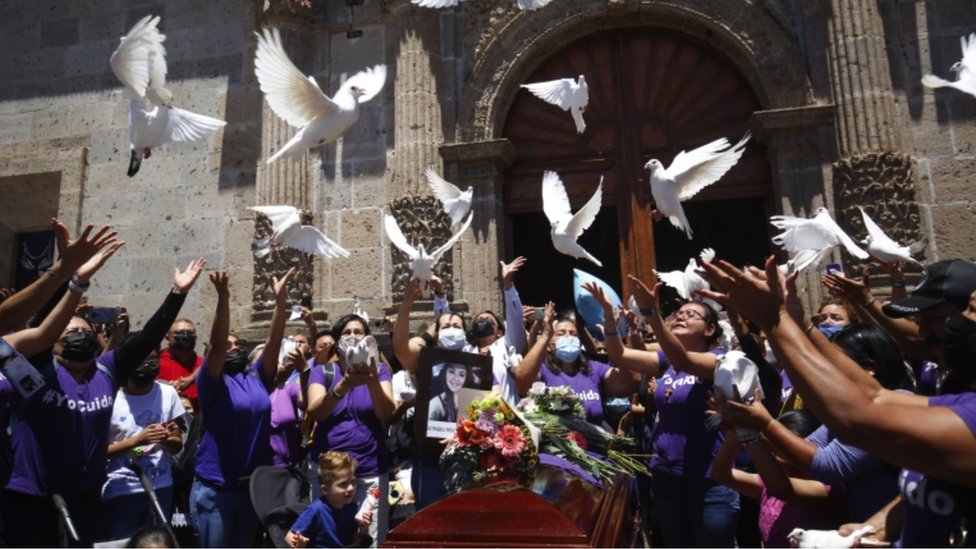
(220, 281)
(850, 289)
(735, 412)
(757, 298)
(509, 270)
(412, 290)
(75, 252)
(597, 292)
(646, 297)
(281, 285)
(182, 282)
(548, 318)
(88, 270)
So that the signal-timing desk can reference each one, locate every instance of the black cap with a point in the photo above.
(943, 282)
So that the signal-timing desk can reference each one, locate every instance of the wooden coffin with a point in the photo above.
(560, 510)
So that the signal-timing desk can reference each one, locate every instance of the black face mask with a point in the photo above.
(482, 328)
(145, 374)
(184, 341)
(959, 345)
(235, 362)
(79, 347)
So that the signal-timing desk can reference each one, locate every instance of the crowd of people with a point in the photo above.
(866, 414)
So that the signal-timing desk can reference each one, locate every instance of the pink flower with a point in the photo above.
(510, 441)
(579, 439)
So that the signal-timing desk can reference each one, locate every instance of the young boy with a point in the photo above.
(330, 521)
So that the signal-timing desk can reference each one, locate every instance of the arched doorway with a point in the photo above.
(653, 93)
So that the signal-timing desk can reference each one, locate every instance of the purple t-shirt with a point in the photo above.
(285, 424)
(869, 483)
(786, 389)
(587, 386)
(934, 507)
(353, 426)
(683, 447)
(60, 440)
(236, 424)
(326, 526)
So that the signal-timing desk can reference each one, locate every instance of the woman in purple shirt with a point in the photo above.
(555, 358)
(352, 410)
(237, 424)
(691, 510)
(932, 438)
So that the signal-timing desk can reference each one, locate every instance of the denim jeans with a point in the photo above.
(427, 478)
(694, 513)
(128, 513)
(222, 515)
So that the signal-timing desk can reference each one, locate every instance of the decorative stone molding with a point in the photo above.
(881, 183)
(275, 265)
(423, 221)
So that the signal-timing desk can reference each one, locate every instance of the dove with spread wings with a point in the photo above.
(300, 102)
(421, 262)
(965, 70)
(689, 173)
(287, 230)
(139, 62)
(456, 202)
(566, 226)
(565, 93)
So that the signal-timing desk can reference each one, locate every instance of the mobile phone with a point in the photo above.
(103, 315)
(382, 324)
(538, 313)
(835, 269)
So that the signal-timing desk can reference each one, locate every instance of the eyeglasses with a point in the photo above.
(685, 314)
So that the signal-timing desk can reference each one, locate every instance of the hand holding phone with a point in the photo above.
(103, 315)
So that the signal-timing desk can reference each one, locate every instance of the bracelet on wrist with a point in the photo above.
(77, 282)
(609, 333)
(73, 287)
(336, 394)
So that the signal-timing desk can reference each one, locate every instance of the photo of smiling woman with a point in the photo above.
(446, 386)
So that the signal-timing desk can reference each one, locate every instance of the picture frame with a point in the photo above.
(437, 378)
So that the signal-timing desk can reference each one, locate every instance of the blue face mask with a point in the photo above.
(830, 330)
(567, 348)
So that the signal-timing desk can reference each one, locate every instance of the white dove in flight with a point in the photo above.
(301, 103)
(522, 4)
(815, 234)
(139, 62)
(883, 248)
(421, 262)
(456, 203)
(803, 260)
(965, 70)
(690, 281)
(567, 227)
(286, 223)
(565, 93)
(689, 173)
(826, 538)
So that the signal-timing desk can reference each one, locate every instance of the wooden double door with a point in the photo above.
(653, 92)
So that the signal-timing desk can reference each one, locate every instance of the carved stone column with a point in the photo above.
(871, 171)
(476, 272)
(285, 182)
(417, 124)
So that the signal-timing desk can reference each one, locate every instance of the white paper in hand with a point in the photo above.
(296, 313)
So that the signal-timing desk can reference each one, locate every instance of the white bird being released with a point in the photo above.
(456, 203)
(139, 62)
(826, 538)
(965, 70)
(522, 4)
(883, 248)
(565, 93)
(690, 281)
(421, 262)
(689, 173)
(735, 368)
(812, 237)
(288, 231)
(301, 103)
(566, 227)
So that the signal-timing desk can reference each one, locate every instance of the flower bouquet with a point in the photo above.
(491, 444)
(558, 413)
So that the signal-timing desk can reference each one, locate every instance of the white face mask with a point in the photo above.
(452, 339)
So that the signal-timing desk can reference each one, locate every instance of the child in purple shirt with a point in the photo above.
(330, 521)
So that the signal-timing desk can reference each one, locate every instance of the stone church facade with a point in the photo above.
(829, 90)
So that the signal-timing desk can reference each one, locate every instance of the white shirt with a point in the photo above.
(130, 415)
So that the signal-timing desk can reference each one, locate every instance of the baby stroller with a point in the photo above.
(279, 496)
(70, 534)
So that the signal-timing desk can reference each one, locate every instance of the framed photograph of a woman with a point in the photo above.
(447, 382)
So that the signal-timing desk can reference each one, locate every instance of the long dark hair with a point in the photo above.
(340, 325)
(582, 363)
(801, 422)
(873, 350)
